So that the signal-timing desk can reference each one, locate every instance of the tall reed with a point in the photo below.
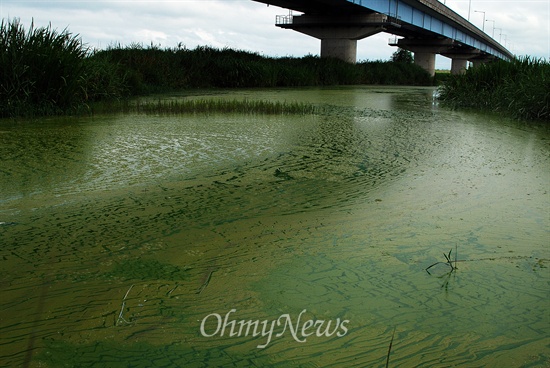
(519, 88)
(153, 69)
(40, 70)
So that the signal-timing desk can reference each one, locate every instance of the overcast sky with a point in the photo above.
(522, 25)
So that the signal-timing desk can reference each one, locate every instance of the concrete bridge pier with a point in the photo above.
(458, 66)
(460, 59)
(424, 50)
(338, 34)
(482, 59)
(340, 48)
(425, 60)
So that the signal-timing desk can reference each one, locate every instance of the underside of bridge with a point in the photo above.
(325, 7)
(425, 50)
(338, 33)
(340, 24)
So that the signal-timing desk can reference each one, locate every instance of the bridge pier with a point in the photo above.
(338, 34)
(483, 59)
(424, 50)
(458, 66)
(460, 58)
(340, 48)
(425, 60)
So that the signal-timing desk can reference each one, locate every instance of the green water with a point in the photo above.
(123, 236)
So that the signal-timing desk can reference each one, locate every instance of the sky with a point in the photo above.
(523, 26)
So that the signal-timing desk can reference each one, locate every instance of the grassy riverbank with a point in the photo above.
(519, 88)
(148, 69)
(205, 106)
(46, 72)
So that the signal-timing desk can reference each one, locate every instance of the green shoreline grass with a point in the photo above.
(519, 88)
(205, 106)
(226, 106)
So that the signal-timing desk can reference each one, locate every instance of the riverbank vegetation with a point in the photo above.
(205, 106)
(40, 70)
(150, 69)
(519, 88)
(47, 72)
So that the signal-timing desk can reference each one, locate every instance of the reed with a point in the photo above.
(123, 305)
(393, 73)
(389, 349)
(152, 69)
(245, 106)
(205, 283)
(448, 262)
(202, 106)
(40, 69)
(103, 80)
(519, 88)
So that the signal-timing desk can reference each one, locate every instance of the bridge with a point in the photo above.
(425, 27)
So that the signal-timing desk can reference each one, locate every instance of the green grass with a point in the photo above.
(519, 88)
(152, 69)
(40, 70)
(204, 106)
(225, 106)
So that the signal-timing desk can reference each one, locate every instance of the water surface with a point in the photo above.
(121, 234)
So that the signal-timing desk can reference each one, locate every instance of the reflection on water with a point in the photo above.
(120, 234)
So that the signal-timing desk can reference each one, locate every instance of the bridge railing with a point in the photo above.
(284, 19)
(394, 18)
(289, 19)
(393, 41)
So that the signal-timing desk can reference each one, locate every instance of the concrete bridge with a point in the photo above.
(427, 28)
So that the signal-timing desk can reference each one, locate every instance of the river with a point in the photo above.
(210, 240)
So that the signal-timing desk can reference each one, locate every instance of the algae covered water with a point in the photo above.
(277, 241)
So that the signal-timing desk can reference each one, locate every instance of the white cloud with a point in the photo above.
(156, 37)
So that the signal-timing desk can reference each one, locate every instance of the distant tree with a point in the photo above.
(402, 56)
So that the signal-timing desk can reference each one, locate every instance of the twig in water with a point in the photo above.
(456, 254)
(120, 314)
(120, 318)
(126, 295)
(448, 258)
(170, 292)
(448, 263)
(206, 282)
(389, 349)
